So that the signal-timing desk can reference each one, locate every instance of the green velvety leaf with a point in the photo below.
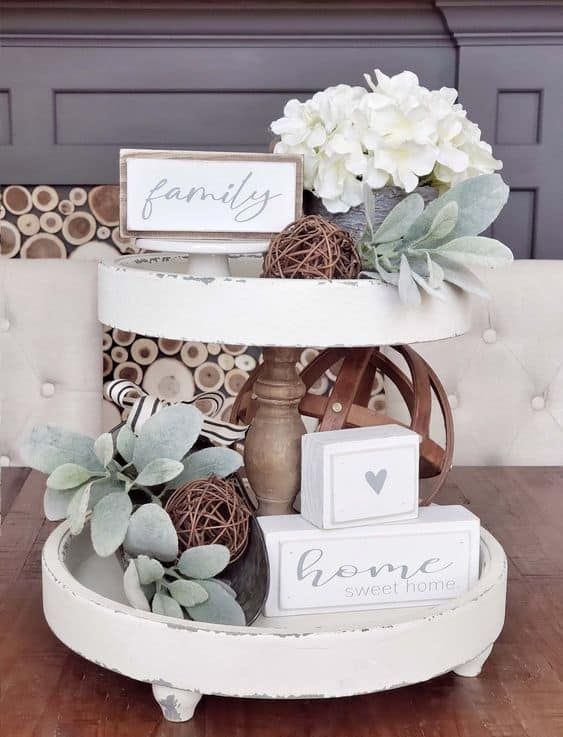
(204, 561)
(104, 486)
(110, 520)
(220, 462)
(149, 569)
(68, 476)
(188, 593)
(225, 585)
(444, 221)
(408, 291)
(476, 251)
(151, 533)
(166, 605)
(220, 607)
(170, 433)
(49, 447)
(78, 509)
(159, 471)
(479, 200)
(55, 504)
(461, 276)
(132, 588)
(103, 448)
(125, 443)
(400, 219)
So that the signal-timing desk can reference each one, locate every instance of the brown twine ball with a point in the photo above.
(207, 511)
(312, 248)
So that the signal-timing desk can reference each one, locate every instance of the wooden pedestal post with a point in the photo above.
(272, 453)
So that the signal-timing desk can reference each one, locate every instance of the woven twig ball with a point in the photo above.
(207, 511)
(312, 248)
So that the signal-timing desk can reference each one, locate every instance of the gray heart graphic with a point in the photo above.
(376, 481)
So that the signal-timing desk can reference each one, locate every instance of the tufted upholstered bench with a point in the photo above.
(504, 378)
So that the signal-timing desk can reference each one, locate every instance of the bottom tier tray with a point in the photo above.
(291, 657)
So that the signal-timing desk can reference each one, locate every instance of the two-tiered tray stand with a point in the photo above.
(315, 656)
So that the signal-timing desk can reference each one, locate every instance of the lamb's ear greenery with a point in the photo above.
(416, 248)
(104, 478)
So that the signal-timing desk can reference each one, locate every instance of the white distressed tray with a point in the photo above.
(155, 295)
(293, 657)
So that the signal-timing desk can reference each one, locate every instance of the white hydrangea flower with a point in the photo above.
(397, 132)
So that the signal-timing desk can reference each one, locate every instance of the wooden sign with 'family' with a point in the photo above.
(200, 194)
(359, 476)
(420, 561)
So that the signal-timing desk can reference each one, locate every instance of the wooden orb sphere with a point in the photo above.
(346, 404)
(312, 248)
(207, 511)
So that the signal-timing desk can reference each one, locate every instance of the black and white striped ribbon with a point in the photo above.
(142, 406)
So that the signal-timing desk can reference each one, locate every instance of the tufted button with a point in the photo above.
(4, 461)
(490, 335)
(4, 325)
(47, 389)
(453, 400)
(538, 403)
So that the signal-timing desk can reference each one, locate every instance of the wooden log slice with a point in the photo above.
(17, 199)
(169, 379)
(51, 222)
(235, 380)
(103, 233)
(107, 365)
(169, 347)
(106, 341)
(2, 212)
(125, 244)
(44, 198)
(66, 207)
(225, 413)
(43, 245)
(119, 354)
(226, 361)
(78, 196)
(193, 354)
(79, 228)
(28, 224)
(205, 405)
(129, 371)
(209, 377)
(246, 362)
(234, 350)
(104, 203)
(123, 337)
(213, 349)
(10, 239)
(144, 351)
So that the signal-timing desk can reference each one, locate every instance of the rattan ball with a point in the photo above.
(312, 248)
(207, 511)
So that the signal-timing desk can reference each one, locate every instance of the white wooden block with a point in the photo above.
(359, 476)
(412, 563)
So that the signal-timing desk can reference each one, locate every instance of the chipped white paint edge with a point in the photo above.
(155, 295)
(361, 654)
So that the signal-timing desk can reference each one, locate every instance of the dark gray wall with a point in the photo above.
(79, 80)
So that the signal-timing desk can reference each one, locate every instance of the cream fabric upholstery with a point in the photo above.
(505, 377)
(50, 350)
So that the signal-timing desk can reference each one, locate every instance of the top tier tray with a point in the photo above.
(154, 295)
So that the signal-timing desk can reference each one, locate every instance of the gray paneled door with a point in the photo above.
(516, 94)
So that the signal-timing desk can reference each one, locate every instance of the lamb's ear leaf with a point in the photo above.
(159, 471)
(479, 200)
(204, 561)
(55, 504)
(170, 433)
(132, 588)
(110, 520)
(125, 443)
(220, 607)
(461, 276)
(166, 605)
(68, 476)
(400, 219)
(151, 533)
(188, 593)
(48, 447)
(78, 509)
(220, 462)
(408, 291)
(149, 569)
(445, 221)
(103, 448)
(476, 251)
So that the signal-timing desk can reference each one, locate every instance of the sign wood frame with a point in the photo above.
(292, 210)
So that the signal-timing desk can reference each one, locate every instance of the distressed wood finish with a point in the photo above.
(47, 690)
(272, 451)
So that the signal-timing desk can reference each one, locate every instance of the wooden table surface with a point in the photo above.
(48, 691)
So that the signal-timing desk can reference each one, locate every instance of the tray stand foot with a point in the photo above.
(472, 668)
(176, 705)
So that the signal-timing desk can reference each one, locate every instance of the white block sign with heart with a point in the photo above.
(420, 561)
(359, 476)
